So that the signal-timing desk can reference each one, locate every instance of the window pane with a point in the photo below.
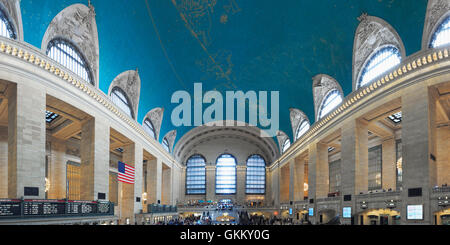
(6, 29)
(196, 175)
(379, 63)
(166, 145)
(302, 129)
(331, 101)
(67, 55)
(256, 175)
(121, 101)
(286, 145)
(335, 176)
(442, 35)
(375, 161)
(148, 127)
(226, 174)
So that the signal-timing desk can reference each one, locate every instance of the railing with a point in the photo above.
(17, 208)
(441, 189)
(379, 194)
(157, 208)
(328, 199)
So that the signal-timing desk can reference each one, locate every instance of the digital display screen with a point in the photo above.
(415, 212)
(347, 212)
(290, 211)
(311, 212)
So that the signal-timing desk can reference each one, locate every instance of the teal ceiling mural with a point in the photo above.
(260, 45)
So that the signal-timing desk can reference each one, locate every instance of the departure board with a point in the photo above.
(9, 207)
(81, 207)
(43, 207)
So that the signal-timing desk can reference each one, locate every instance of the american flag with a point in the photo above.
(126, 173)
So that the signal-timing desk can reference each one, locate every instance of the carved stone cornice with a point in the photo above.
(437, 11)
(171, 136)
(282, 137)
(77, 24)
(130, 83)
(322, 85)
(13, 12)
(372, 34)
(156, 116)
(297, 116)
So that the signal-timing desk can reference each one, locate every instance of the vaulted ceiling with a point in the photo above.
(260, 45)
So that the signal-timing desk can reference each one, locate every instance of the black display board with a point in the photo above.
(10, 207)
(81, 207)
(43, 207)
(37, 208)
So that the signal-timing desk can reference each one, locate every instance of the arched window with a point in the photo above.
(148, 127)
(196, 175)
(301, 129)
(165, 144)
(6, 28)
(226, 174)
(331, 101)
(256, 175)
(380, 62)
(441, 36)
(121, 100)
(286, 145)
(68, 55)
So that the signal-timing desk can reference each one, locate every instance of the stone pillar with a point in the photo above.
(166, 189)
(129, 206)
(418, 147)
(26, 141)
(154, 175)
(276, 193)
(3, 162)
(443, 155)
(299, 179)
(240, 184)
(322, 171)
(291, 179)
(57, 170)
(389, 161)
(94, 150)
(312, 180)
(210, 182)
(355, 158)
(284, 183)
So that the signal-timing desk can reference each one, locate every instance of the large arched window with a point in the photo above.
(6, 28)
(441, 36)
(165, 144)
(331, 101)
(256, 175)
(380, 62)
(286, 145)
(301, 129)
(121, 100)
(68, 55)
(226, 174)
(148, 127)
(196, 175)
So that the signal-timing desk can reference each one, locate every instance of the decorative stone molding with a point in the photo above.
(297, 117)
(282, 137)
(12, 9)
(130, 83)
(77, 24)
(371, 35)
(155, 116)
(437, 11)
(171, 136)
(322, 85)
